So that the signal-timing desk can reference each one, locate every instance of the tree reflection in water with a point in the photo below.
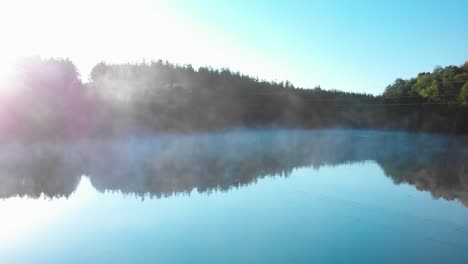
(164, 165)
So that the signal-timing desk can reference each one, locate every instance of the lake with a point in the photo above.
(244, 196)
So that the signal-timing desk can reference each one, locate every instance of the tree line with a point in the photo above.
(47, 99)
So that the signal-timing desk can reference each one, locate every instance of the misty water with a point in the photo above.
(246, 196)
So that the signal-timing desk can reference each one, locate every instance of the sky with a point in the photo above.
(359, 46)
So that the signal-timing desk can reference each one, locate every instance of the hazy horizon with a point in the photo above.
(342, 45)
(199, 131)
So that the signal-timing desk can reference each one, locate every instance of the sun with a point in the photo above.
(7, 71)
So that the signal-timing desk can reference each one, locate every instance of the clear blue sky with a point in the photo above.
(348, 45)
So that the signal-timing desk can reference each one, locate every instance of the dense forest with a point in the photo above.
(47, 100)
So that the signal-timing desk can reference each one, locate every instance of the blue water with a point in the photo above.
(237, 197)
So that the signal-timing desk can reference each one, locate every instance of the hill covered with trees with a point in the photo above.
(47, 99)
(435, 102)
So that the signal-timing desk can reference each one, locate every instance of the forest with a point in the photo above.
(47, 99)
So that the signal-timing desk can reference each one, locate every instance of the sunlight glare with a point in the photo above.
(22, 216)
(7, 69)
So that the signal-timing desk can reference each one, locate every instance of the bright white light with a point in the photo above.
(91, 31)
(117, 31)
(23, 218)
(7, 69)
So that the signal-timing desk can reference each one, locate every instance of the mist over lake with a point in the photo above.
(256, 195)
(206, 132)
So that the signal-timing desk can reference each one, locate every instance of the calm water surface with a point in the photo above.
(265, 196)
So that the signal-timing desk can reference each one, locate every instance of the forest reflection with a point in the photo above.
(165, 165)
